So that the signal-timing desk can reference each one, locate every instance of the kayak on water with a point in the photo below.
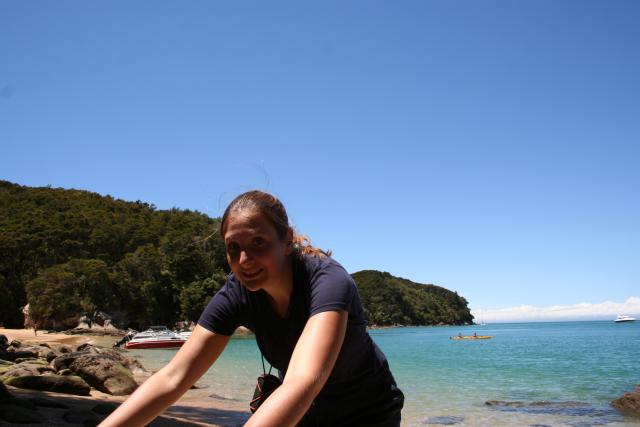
(471, 337)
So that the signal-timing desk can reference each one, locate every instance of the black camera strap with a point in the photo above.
(263, 368)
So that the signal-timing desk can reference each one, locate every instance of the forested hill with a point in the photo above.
(390, 300)
(72, 252)
(69, 252)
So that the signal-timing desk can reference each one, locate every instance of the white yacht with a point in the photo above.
(156, 337)
(624, 318)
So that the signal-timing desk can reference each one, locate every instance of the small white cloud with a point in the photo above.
(607, 310)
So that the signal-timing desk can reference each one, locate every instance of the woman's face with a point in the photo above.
(256, 255)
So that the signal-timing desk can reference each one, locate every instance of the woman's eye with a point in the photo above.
(259, 241)
(232, 247)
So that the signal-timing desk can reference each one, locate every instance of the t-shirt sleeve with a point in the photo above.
(332, 288)
(222, 313)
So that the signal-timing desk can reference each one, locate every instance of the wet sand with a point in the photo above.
(187, 411)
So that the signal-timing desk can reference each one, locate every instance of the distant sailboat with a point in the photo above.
(482, 320)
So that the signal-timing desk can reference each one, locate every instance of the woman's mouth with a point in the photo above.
(252, 274)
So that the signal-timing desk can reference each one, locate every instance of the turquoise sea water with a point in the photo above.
(542, 374)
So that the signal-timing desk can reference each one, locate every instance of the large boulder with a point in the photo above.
(13, 352)
(19, 370)
(104, 373)
(105, 369)
(629, 402)
(64, 360)
(84, 323)
(69, 384)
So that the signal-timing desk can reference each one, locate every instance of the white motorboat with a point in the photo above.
(624, 318)
(156, 337)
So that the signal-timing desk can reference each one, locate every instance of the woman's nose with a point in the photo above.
(244, 257)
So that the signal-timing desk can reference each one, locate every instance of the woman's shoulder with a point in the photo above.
(316, 263)
(234, 289)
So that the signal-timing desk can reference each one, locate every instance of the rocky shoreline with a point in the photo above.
(69, 382)
(62, 368)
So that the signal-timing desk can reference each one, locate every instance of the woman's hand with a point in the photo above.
(167, 385)
(311, 364)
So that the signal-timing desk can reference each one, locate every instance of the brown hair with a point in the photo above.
(273, 209)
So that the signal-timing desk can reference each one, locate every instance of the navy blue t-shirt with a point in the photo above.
(319, 284)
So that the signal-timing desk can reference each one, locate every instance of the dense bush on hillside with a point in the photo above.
(392, 300)
(53, 242)
(72, 252)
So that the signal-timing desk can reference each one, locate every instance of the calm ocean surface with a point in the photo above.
(545, 374)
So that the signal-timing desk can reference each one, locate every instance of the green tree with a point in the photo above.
(71, 289)
(195, 296)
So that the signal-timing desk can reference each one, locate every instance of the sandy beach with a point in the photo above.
(187, 411)
(28, 335)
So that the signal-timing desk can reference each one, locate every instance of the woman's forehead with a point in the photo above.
(247, 221)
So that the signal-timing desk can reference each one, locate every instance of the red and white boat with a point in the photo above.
(156, 337)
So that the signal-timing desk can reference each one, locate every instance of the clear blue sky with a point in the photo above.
(488, 147)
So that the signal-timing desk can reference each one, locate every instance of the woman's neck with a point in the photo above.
(280, 293)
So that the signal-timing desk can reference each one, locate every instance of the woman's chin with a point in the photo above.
(253, 284)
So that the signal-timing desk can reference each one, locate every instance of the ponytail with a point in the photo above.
(302, 246)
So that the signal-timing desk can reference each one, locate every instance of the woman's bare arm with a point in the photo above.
(167, 385)
(311, 364)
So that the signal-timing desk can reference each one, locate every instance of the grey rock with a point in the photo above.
(104, 373)
(87, 347)
(69, 384)
(20, 370)
(65, 349)
(444, 420)
(25, 359)
(568, 408)
(50, 355)
(12, 354)
(629, 402)
(65, 360)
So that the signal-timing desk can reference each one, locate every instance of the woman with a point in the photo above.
(309, 323)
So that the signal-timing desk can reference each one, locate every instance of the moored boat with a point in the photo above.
(156, 337)
(623, 318)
